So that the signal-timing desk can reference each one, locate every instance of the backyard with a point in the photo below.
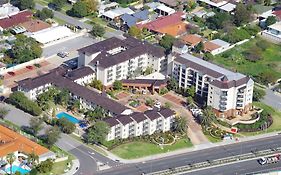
(139, 149)
(257, 53)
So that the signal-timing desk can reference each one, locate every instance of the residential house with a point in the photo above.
(191, 40)
(6, 9)
(273, 33)
(228, 93)
(179, 47)
(163, 10)
(14, 20)
(216, 46)
(175, 4)
(35, 25)
(129, 20)
(114, 15)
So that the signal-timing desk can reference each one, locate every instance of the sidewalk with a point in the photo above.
(74, 168)
(194, 148)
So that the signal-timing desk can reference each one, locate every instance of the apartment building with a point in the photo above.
(229, 93)
(137, 124)
(116, 59)
(74, 82)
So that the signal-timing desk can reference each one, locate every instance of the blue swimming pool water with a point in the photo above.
(16, 168)
(68, 117)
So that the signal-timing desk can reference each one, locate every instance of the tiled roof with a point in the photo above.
(111, 121)
(191, 39)
(134, 48)
(152, 114)
(79, 73)
(138, 117)
(210, 46)
(166, 112)
(35, 25)
(124, 119)
(14, 20)
(163, 21)
(11, 141)
(172, 3)
(174, 29)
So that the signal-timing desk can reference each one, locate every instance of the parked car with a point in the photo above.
(63, 54)
(29, 67)
(12, 73)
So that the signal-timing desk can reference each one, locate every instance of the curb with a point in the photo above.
(74, 168)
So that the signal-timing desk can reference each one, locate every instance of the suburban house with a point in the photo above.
(179, 4)
(172, 24)
(105, 6)
(191, 40)
(129, 20)
(20, 146)
(273, 33)
(137, 124)
(114, 15)
(34, 25)
(163, 10)
(73, 81)
(116, 59)
(216, 46)
(6, 9)
(179, 47)
(14, 20)
(228, 93)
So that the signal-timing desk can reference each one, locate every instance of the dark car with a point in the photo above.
(62, 54)
(12, 73)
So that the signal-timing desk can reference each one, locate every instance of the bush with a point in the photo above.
(237, 35)
(66, 126)
(19, 100)
(45, 166)
(163, 91)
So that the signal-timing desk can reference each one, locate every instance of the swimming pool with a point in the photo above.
(68, 117)
(16, 168)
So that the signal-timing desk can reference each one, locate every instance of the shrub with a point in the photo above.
(163, 91)
(45, 166)
(65, 125)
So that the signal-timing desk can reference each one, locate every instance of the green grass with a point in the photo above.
(276, 115)
(94, 147)
(235, 59)
(138, 149)
(58, 168)
(60, 21)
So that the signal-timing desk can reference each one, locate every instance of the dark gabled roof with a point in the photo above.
(133, 48)
(111, 121)
(138, 117)
(132, 19)
(230, 84)
(79, 73)
(152, 114)
(198, 67)
(166, 112)
(124, 119)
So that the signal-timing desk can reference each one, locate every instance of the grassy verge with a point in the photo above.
(58, 168)
(94, 147)
(60, 21)
(276, 115)
(139, 149)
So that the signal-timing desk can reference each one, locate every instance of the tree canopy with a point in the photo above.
(65, 125)
(79, 9)
(44, 14)
(97, 30)
(36, 124)
(117, 85)
(96, 84)
(217, 21)
(134, 31)
(52, 135)
(23, 4)
(167, 42)
(98, 132)
(270, 20)
(58, 4)
(242, 14)
(92, 5)
(25, 49)
(258, 94)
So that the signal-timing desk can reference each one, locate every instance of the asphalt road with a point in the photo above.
(272, 99)
(196, 157)
(241, 168)
(76, 22)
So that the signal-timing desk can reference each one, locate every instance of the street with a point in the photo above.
(272, 99)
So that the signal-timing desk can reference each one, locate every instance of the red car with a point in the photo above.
(29, 67)
(12, 73)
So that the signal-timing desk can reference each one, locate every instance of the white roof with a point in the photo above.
(220, 42)
(8, 10)
(154, 76)
(213, 3)
(153, 5)
(276, 26)
(118, 12)
(228, 7)
(164, 8)
(52, 34)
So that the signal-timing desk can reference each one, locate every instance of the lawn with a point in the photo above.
(276, 115)
(235, 59)
(58, 168)
(139, 149)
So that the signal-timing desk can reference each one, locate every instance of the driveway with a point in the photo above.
(88, 157)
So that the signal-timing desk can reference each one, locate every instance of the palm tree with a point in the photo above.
(33, 158)
(10, 159)
(180, 124)
(208, 116)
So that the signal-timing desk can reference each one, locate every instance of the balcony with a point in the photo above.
(223, 98)
(223, 103)
(222, 107)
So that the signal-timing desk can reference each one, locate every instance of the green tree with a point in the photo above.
(167, 105)
(117, 85)
(65, 125)
(58, 4)
(149, 102)
(270, 20)
(208, 116)
(134, 31)
(167, 42)
(242, 14)
(79, 9)
(3, 112)
(25, 49)
(52, 135)
(258, 94)
(33, 158)
(36, 124)
(180, 124)
(45, 166)
(75, 106)
(44, 14)
(10, 159)
(199, 47)
(267, 2)
(148, 70)
(191, 91)
(23, 4)
(97, 30)
(98, 132)
(63, 97)
(96, 84)
(172, 84)
(217, 21)
(97, 114)
(92, 5)
(189, 100)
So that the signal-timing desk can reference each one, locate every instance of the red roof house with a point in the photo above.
(14, 20)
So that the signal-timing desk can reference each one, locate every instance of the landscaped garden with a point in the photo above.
(257, 53)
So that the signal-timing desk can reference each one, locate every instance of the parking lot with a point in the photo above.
(68, 46)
